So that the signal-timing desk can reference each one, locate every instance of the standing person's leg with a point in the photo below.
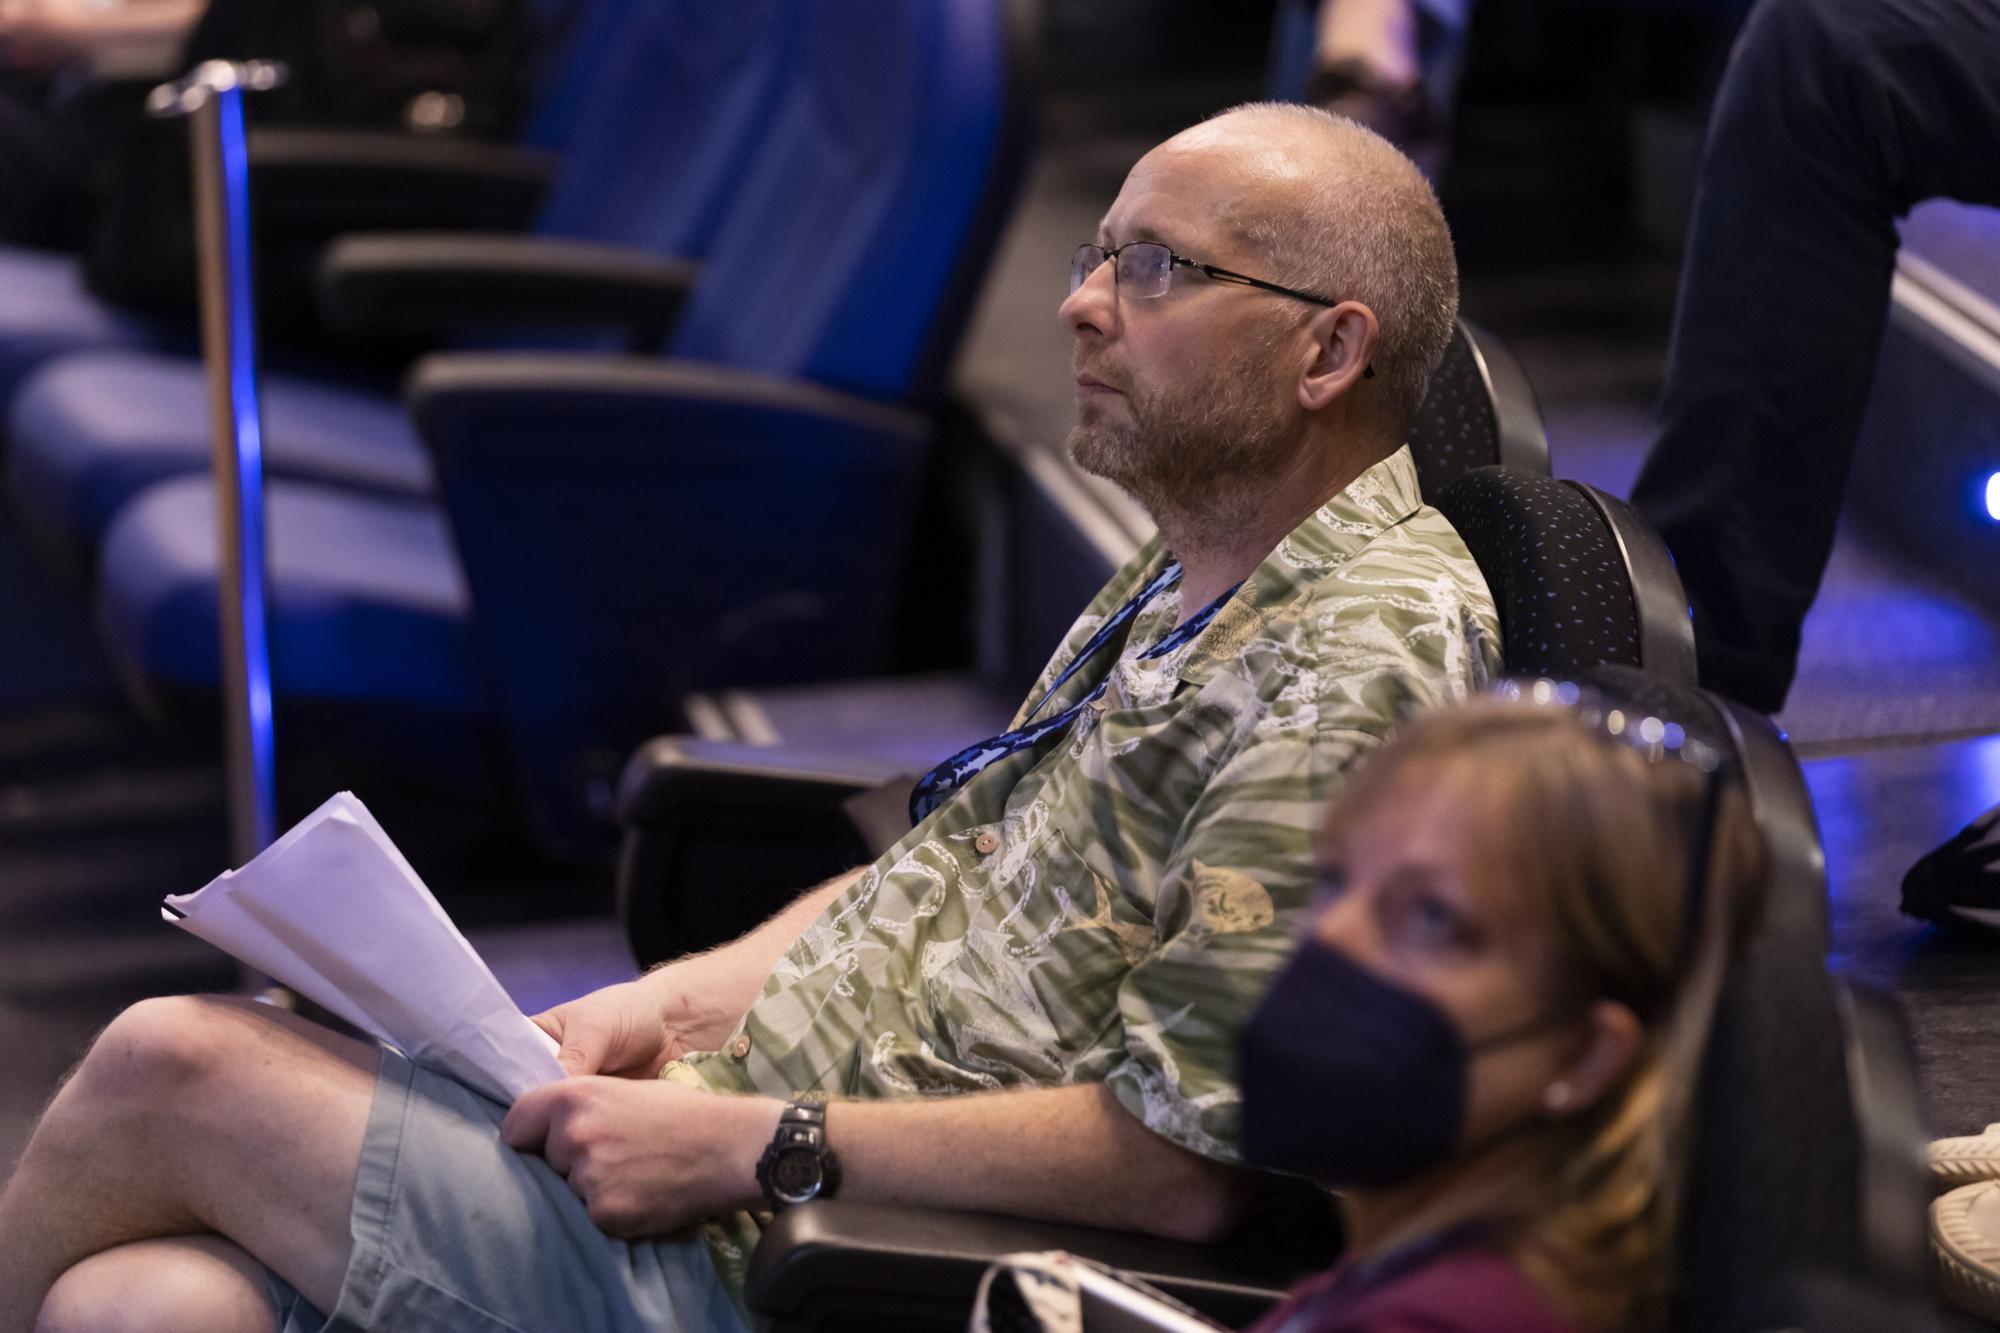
(1835, 117)
(189, 1117)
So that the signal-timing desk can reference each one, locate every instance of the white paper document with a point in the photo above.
(332, 910)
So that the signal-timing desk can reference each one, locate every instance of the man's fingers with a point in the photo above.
(576, 1052)
(580, 1057)
(527, 1124)
(582, 1042)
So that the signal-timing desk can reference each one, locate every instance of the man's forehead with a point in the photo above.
(1195, 186)
(1167, 197)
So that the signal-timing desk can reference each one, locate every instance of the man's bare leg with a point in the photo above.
(190, 1284)
(193, 1116)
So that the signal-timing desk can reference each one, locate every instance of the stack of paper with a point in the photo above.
(332, 910)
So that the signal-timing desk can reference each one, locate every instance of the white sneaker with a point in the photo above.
(1965, 1236)
(1964, 1161)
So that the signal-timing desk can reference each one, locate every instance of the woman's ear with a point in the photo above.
(1343, 342)
(1611, 1042)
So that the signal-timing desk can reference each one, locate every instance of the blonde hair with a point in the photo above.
(1361, 224)
(1598, 840)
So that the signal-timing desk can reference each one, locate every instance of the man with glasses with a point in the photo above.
(1030, 1004)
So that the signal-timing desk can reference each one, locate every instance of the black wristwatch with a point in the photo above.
(798, 1166)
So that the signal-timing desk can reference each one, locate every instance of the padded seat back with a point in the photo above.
(1807, 1155)
(1578, 578)
(1478, 411)
(863, 224)
(674, 96)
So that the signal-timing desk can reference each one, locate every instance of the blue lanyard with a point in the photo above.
(934, 787)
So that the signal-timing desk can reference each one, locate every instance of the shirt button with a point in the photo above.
(986, 843)
(741, 1046)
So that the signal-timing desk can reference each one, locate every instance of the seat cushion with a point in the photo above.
(88, 432)
(367, 602)
(46, 311)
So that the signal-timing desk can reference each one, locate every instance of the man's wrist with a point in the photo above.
(756, 1124)
(681, 992)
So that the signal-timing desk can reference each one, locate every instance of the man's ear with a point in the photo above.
(1611, 1042)
(1343, 342)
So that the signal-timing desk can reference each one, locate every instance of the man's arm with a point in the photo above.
(1066, 1154)
(690, 1004)
(652, 1158)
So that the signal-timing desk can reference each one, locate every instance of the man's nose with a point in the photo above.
(1093, 306)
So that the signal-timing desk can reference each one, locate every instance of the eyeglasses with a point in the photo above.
(1656, 740)
(1145, 269)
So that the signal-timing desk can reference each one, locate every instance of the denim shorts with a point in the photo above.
(453, 1230)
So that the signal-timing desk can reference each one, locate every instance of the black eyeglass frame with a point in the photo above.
(1215, 271)
(1175, 261)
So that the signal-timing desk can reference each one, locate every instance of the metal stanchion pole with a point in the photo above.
(211, 97)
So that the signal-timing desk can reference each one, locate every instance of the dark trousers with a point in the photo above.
(1835, 117)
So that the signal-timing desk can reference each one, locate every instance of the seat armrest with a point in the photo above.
(425, 283)
(334, 181)
(670, 774)
(470, 402)
(836, 1259)
(719, 835)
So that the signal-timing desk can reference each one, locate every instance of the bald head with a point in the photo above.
(1334, 209)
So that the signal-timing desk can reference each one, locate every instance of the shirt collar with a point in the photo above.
(1380, 498)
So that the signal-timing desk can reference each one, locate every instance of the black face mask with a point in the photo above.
(1350, 1080)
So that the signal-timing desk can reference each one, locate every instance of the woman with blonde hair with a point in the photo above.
(1489, 1040)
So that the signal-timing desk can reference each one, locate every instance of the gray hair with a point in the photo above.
(1359, 223)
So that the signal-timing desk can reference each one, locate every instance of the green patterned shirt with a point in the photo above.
(1107, 907)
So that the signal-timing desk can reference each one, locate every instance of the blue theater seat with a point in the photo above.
(388, 622)
(46, 311)
(631, 527)
(93, 424)
(658, 145)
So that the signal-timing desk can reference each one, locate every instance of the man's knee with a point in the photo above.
(197, 1284)
(155, 1047)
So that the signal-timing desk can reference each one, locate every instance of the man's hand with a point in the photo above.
(630, 1030)
(693, 1004)
(646, 1158)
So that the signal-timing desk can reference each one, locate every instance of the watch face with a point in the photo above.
(795, 1176)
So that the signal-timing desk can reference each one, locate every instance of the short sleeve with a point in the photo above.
(1230, 907)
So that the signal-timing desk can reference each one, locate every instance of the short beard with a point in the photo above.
(1200, 455)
